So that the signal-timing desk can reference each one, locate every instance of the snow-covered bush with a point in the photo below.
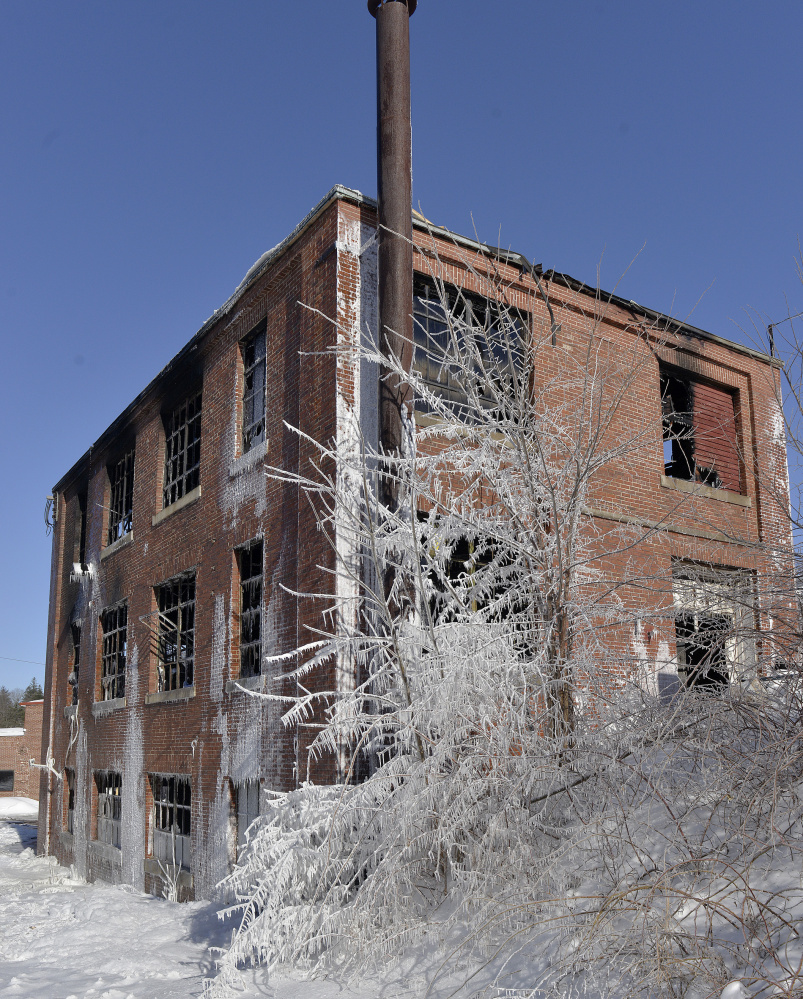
(512, 787)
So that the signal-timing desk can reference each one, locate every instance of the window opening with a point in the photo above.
(110, 789)
(6, 780)
(115, 626)
(70, 775)
(121, 498)
(701, 642)
(251, 609)
(448, 320)
(182, 450)
(72, 679)
(699, 433)
(176, 632)
(247, 809)
(172, 820)
(254, 402)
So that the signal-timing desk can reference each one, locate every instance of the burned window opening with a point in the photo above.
(699, 432)
(175, 632)
(6, 780)
(250, 561)
(72, 679)
(114, 622)
(254, 393)
(121, 498)
(702, 660)
(449, 322)
(110, 790)
(172, 805)
(182, 450)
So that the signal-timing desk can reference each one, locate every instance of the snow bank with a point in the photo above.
(19, 808)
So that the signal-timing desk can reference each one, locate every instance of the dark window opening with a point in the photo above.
(176, 632)
(172, 820)
(79, 541)
(121, 498)
(115, 627)
(182, 450)
(699, 433)
(702, 660)
(70, 777)
(72, 679)
(254, 363)
(6, 780)
(250, 559)
(110, 789)
(449, 323)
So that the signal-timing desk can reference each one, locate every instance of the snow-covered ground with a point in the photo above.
(61, 938)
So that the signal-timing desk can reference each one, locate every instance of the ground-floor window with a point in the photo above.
(110, 787)
(247, 809)
(69, 782)
(171, 822)
(6, 780)
(715, 624)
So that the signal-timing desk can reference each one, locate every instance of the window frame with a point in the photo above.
(112, 681)
(121, 497)
(182, 672)
(182, 449)
(251, 606)
(254, 425)
(247, 809)
(4, 775)
(108, 821)
(168, 812)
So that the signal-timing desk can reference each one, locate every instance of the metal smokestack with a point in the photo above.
(395, 184)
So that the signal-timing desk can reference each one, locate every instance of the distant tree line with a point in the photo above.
(12, 714)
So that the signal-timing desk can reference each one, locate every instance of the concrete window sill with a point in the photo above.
(162, 696)
(106, 851)
(247, 682)
(101, 708)
(698, 489)
(152, 866)
(71, 711)
(115, 546)
(248, 461)
(192, 497)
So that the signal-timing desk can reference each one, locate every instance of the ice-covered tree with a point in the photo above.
(512, 786)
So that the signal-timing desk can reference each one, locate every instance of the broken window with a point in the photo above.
(449, 324)
(182, 450)
(714, 624)
(121, 498)
(254, 364)
(110, 789)
(79, 565)
(176, 632)
(114, 621)
(247, 809)
(699, 432)
(72, 679)
(6, 780)
(69, 781)
(172, 820)
(250, 561)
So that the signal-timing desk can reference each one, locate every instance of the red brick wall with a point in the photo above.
(16, 751)
(222, 736)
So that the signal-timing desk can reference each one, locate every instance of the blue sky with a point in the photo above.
(151, 152)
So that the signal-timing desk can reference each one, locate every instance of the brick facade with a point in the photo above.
(207, 734)
(18, 747)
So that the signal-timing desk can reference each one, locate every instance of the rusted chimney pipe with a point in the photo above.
(395, 183)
